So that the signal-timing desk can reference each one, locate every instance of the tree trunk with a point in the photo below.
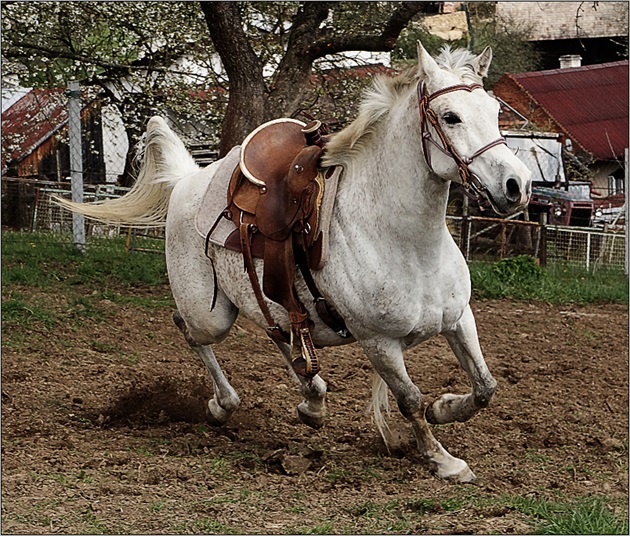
(246, 106)
(293, 73)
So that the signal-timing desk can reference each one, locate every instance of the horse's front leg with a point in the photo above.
(465, 344)
(387, 358)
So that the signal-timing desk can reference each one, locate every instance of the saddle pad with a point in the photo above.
(215, 200)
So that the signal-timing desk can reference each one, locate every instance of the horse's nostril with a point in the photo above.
(512, 190)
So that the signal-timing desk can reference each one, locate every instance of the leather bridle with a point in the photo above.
(427, 116)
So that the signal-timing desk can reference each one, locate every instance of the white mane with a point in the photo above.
(384, 94)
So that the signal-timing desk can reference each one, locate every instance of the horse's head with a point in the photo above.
(460, 131)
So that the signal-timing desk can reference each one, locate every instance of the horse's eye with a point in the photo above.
(451, 119)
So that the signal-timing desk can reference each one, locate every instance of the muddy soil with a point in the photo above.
(104, 431)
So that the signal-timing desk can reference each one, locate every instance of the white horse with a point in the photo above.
(394, 273)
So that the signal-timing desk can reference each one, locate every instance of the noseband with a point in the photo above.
(427, 115)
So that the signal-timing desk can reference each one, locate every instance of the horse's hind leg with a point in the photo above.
(387, 358)
(225, 400)
(465, 345)
(312, 410)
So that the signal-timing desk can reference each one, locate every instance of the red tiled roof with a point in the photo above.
(31, 121)
(589, 102)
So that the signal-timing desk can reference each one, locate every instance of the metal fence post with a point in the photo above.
(76, 162)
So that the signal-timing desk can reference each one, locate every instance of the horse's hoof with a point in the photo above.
(314, 421)
(215, 414)
(442, 411)
(429, 415)
(458, 472)
(464, 476)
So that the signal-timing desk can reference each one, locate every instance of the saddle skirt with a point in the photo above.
(225, 233)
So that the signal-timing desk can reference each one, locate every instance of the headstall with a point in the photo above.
(427, 115)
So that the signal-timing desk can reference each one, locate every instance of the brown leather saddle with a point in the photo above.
(273, 198)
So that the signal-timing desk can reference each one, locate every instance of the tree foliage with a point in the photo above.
(151, 56)
(145, 57)
(220, 67)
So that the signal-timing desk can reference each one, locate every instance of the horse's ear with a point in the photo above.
(427, 66)
(482, 62)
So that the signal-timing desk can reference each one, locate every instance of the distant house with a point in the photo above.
(586, 105)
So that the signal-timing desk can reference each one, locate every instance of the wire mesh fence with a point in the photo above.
(588, 248)
(494, 239)
(481, 238)
(28, 208)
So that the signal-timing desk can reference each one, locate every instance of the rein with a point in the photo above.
(428, 116)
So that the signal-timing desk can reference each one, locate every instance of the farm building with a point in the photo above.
(586, 105)
(35, 147)
(35, 132)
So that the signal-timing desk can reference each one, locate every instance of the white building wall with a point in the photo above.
(115, 143)
(564, 20)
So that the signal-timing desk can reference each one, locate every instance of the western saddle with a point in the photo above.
(273, 198)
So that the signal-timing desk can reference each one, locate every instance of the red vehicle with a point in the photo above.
(562, 206)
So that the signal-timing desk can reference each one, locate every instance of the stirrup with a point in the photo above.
(306, 363)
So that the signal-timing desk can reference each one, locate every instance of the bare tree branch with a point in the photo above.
(383, 42)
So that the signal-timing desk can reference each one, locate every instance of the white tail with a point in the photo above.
(380, 402)
(165, 161)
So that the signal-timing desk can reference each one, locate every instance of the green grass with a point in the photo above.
(581, 515)
(105, 272)
(322, 528)
(206, 525)
(588, 515)
(36, 259)
(16, 309)
(522, 279)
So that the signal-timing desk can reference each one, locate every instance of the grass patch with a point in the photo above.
(589, 515)
(85, 307)
(521, 278)
(17, 311)
(322, 528)
(150, 302)
(94, 525)
(208, 526)
(36, 259)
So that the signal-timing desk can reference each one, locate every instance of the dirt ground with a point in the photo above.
(103, 429)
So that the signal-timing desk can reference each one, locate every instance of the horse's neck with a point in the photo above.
(388, 191)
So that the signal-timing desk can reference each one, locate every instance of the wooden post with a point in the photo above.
(543, 240)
